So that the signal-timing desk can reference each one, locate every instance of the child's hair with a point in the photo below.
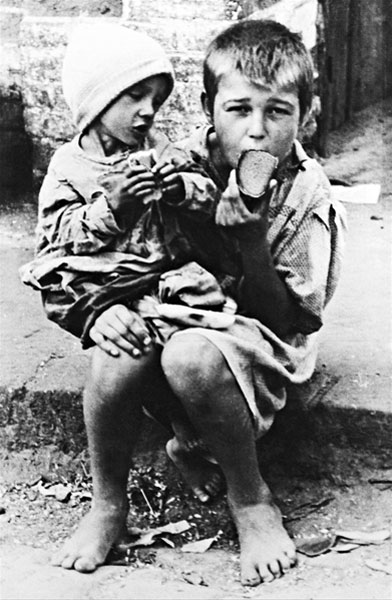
(262, 51)
(102, 61)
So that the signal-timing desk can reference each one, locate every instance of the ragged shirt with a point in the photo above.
(81, 246)
(306, 228)
(306, 238)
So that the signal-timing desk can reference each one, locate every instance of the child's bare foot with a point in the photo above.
(203, 477)
(90, 544)
(267, 552)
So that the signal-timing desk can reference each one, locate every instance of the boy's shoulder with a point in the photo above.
(196, 142)
(310, 167)
(312, 191)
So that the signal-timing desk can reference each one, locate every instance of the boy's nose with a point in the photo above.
(256, 125)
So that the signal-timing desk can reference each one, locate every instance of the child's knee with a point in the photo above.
(190, 359)
(113, 376)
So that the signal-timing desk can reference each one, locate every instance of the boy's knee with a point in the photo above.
(191, 359)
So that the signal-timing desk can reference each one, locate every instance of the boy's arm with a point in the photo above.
(264, 294)
(186, 185)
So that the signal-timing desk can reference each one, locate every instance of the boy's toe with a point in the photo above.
(274, 567)
(285, 563)
(251, 580)
(67, 562)
(85, 565)
(58, 558)
(250, 575)
(292, 556)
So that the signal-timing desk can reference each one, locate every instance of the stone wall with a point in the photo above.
(34, 119)
(35, 33)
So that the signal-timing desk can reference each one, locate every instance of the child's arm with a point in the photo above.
(119, 328)
(72, 224)
(264, 294)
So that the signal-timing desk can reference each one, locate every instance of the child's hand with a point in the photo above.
(232, 211)
(127, 189)
(171, 181)
(119, 328)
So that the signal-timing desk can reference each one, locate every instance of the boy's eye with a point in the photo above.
(240, 109)
(277, 111)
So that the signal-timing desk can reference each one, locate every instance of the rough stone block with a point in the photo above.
(181, 36)
(141, 10)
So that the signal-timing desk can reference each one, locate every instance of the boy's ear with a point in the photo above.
(305, 118)
(206, 107)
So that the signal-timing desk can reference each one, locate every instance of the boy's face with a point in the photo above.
(248, 116)
(131, 115)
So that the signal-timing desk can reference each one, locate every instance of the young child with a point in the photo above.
(229, 381)
(114, 199)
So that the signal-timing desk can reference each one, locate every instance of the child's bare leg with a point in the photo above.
(186, 449)
(198, 374)
(112, 412)
(202, 476)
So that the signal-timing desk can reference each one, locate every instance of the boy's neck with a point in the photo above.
(97, 143)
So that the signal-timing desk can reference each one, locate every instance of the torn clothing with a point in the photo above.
(85, 256)
(305, 236)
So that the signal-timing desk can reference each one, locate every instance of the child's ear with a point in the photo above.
(206, 107)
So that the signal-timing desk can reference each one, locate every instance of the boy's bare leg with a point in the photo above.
(199, 376)
(112, 412)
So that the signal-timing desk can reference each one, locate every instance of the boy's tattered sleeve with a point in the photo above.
(201, 193)
(69, 223)
(310, 261)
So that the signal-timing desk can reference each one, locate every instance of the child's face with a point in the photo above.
(130, 117)
(248, 116)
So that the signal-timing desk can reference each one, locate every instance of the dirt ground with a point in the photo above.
(43, 493)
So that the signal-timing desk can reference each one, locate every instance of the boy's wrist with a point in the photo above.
(254, 228)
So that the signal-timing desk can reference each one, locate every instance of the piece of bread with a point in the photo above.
(147, 158)
(254, 171)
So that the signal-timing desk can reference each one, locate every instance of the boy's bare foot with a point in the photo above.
(203, 477)
(92, 541)
(267, 552)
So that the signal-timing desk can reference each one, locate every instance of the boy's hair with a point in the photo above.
(102, 61)
(262, 51)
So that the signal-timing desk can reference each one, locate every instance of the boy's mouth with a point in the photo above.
(141, 130)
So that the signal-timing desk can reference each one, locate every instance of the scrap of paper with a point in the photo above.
(363, 193)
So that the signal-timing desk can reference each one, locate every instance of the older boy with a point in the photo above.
(286, 248)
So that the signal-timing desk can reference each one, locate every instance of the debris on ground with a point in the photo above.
(377, 565)
(340, 541)
(201, 545)
(364, 537)
(150, 536)
(314, 546)
(303, 510)
(193, 578)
